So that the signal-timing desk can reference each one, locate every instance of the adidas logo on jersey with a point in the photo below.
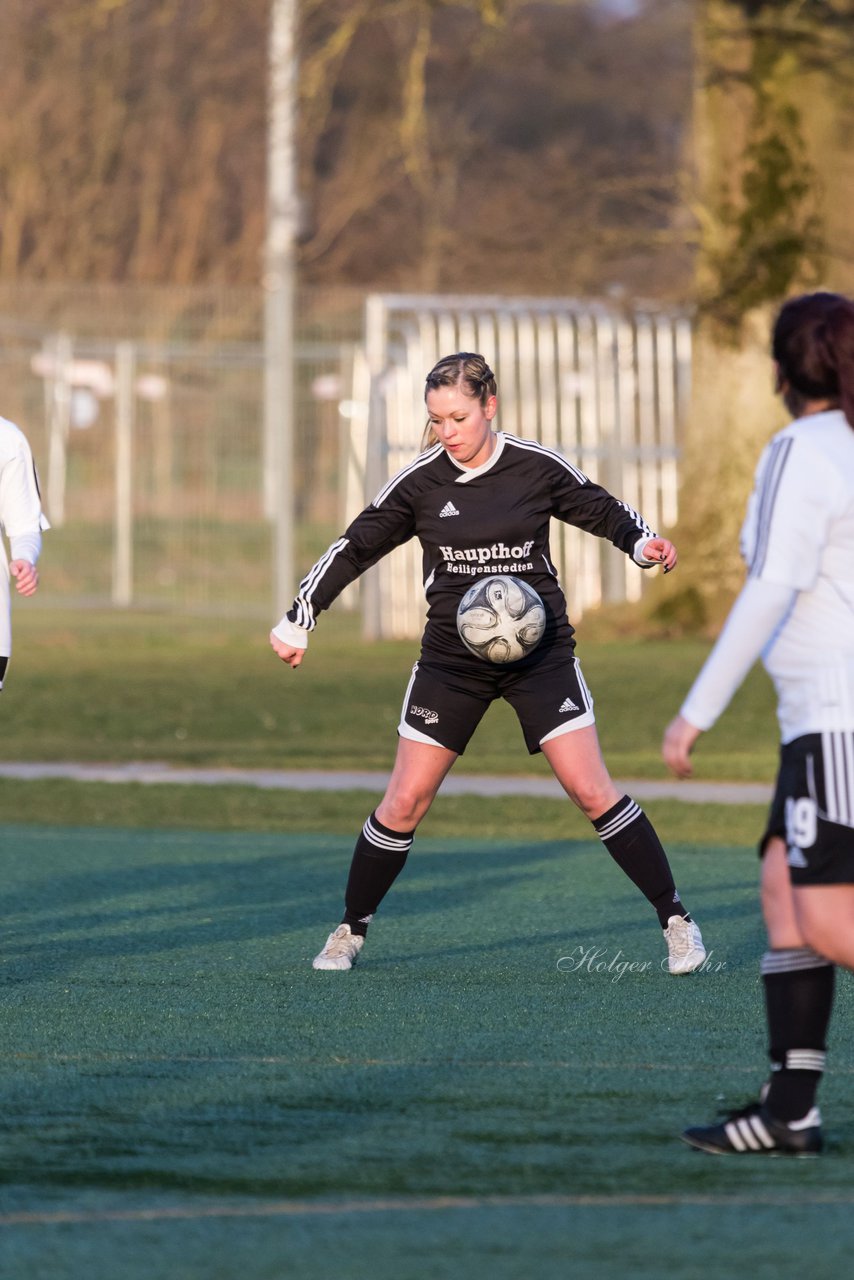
(448, 510)
(567, 705)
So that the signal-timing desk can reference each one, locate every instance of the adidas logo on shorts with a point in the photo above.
(448, 510)
(795, 857)
(567, 705)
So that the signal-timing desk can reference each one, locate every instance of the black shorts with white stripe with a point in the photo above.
(813, 808)
(444, 706)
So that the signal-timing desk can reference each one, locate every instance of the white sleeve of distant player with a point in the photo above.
(289, 633)
(795, 498)
(752, 623)
(25, 546)
(20, 504)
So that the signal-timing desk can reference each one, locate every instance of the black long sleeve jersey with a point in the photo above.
(473, 522)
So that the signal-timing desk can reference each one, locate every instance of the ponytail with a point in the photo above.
(813, 344)
(839, 339)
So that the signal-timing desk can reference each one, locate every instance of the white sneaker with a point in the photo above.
(684, 945)
(341, 950)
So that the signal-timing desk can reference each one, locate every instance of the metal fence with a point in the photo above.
(607, 386)
(144, 408)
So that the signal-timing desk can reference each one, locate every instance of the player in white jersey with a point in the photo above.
(796, 609)
(22, 521)
(481, 503)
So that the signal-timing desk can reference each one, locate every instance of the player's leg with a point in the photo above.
(825, 915)
(818, 854)
(798, 989)
(436, 723)
(555, 710)
(386, 838)
(797, 979)
(798, 984)
(777, 896)
(383, 845)
(629, 836)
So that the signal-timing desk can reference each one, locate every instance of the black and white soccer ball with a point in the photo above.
(501, 619)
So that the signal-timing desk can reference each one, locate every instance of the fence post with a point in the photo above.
(59, 353)
(279, 287)
(375, 464)
(122, 593)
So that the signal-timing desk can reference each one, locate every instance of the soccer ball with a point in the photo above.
(501, 619)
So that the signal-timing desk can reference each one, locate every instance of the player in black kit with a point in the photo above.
(480, 502)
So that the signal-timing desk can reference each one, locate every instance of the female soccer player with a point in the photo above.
(480, 502)
(22, 520)
(796, 609)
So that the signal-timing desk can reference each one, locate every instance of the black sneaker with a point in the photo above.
(754, 1131)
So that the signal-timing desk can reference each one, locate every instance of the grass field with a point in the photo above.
(105, 686)
(489, 1094)
(497, 1089)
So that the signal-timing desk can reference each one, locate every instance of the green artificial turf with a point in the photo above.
(495, 1091)
(182, 1096)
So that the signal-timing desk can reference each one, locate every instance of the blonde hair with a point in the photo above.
(464, 369)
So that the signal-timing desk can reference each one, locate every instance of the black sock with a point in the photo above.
(630, 838)
(378, 860)
(798, 1000)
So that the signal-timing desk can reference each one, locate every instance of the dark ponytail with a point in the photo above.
(813, 345)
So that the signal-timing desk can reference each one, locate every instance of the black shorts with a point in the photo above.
(444, 707)
(813, 808)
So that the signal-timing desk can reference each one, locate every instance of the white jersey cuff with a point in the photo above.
(289, 633)
(25, 546)
(752, 623)
(638, 555)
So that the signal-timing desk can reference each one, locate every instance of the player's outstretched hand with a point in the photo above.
(662, 550)
(26, 576)
(677, 745)
(287, 652)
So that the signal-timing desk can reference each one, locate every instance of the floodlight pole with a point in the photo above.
(279, 292)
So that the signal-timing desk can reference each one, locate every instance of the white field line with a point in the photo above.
(418, 1204)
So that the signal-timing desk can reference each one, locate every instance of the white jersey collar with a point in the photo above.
(471, 473)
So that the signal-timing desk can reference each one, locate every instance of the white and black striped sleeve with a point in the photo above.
(20, 501)
(789, 513)
(581, 502)
(753, 621)
(372, 535)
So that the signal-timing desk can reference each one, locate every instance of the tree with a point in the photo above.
(132, 139)
(520, 148)
(773, 116)
(518, 145)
